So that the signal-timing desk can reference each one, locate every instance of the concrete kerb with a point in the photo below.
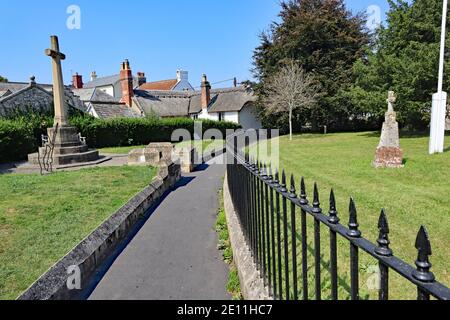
(252, 284)
(95, 249)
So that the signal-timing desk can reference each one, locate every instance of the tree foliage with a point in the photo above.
(405, 60)
(3, 79)
(325, 39)
(288, 90)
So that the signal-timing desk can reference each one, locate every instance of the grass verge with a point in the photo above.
(233, 285)
(43, 217)
(412, 196)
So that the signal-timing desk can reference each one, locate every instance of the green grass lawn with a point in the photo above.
(415, 195)
(43, 217)
(206, 144)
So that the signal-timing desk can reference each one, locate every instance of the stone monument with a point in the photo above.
(389, 154)
(64, 145)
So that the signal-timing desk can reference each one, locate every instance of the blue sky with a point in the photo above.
(158, 37)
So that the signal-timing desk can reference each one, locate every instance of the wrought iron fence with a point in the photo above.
(273, 214)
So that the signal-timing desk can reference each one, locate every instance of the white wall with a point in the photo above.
(232, 117)
(107, 89)
(248, 118)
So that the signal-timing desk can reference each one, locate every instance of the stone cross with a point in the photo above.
(391, 101)
(61, 112)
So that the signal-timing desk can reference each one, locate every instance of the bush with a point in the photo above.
(22, 135)
(128, 131)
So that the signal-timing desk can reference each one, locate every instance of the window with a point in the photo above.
(221, 116)
(195, 117)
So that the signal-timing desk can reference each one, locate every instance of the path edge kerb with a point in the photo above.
(95, 249)
(252, 284)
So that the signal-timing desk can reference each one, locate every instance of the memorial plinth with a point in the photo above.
(389, 154)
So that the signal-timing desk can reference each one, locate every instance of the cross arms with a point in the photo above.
(55, 54)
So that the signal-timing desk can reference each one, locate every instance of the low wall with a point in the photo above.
(94, 250)
(252, 284)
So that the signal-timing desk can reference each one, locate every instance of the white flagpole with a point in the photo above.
(439, 108)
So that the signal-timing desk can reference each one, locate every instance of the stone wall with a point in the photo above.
(94, 250)
(252, 284)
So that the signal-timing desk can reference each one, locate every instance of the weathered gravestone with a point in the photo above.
(64, 147)
(389, 154)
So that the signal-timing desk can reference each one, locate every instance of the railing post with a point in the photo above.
(317, 210)
(284, 190)
(272, 225)
(384, 251)
(423, 273)
(278, 227)
(333, 219)
(293, 197)
(304, 202)
(354, 251)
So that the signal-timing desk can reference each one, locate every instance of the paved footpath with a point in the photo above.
(174, 255)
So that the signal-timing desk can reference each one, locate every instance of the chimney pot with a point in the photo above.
(93, 75)
(77, 81)
(141, 78)
(206, 92)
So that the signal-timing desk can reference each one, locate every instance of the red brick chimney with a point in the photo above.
(126, 81)
(206, 92)
(77, 81)
(141, 78)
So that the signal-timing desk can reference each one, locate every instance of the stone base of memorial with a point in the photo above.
(388, 157)
(64, 149)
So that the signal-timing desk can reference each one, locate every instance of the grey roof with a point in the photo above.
(223, 100)
(100, 96)
(162, 103)
(107, 81)
(17, 86)
(113, 110)
(84, 94)
(4, 93)
(182, 104)
(94, 94)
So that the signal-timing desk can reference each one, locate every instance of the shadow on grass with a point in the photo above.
(403, 134)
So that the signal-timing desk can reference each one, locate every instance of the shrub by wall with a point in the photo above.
(22, 135)
(127, 131)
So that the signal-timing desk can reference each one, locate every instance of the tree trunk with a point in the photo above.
(290, 124)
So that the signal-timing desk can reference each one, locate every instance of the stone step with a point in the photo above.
(66, 159)
(66, 150)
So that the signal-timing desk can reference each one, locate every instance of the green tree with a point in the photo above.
(3, 79)
(325, 39)
(405, 59)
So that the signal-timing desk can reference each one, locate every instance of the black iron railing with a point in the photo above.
(268, 211)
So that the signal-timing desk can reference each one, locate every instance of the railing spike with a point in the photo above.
(276, 181)
(293, 192)
(423, 264)
(334, 219)
(283, 182)
(303, 195)
(316, 202)
(383, 238)
(353, 221)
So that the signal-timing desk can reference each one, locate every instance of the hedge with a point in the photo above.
(19, 137)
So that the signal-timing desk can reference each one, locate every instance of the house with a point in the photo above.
(181, 83)
(20, 96)
(229, 104)
(112, 85)
(125, 95)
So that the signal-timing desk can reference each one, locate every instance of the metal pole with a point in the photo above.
(442, 52)
(439, 104)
